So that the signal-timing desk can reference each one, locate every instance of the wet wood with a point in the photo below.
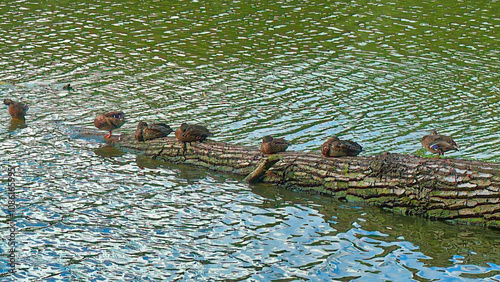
(461, 191)
(256, 175)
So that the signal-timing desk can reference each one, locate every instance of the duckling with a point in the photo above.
(334, 147)
(438, 144)
(192, 132)
(67, 87)
(109, 121)
(271, 145)
(17, 110)
(148, 132)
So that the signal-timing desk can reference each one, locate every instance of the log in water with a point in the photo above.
(461, 191)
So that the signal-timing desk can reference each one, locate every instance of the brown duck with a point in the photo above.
(109, 121)
(67, 87)
(271, 145)
(334, 147)
(17, 110)
(192, 132)
(438, 144)
(148, 132)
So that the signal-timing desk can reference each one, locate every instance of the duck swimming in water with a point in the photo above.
(17, 110)
(109, 121)
(438, 144)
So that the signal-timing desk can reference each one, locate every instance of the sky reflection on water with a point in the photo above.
(382, 73)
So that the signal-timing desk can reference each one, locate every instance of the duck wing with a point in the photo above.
(350, 147)
(157, 130)
(114, 119)
(199, 130)
(445, 143)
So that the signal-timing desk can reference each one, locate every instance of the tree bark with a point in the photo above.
(461, 191)
(256, 175)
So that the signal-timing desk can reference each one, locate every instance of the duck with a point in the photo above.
(109, 121)
(67, 87)
(148, 132)
(272, 145)
(17, 110)
(334, 147)
(192, 132)
(439, 144)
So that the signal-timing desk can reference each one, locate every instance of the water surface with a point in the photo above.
(380, 72)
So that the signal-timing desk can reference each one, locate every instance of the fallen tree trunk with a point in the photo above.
(461, 191)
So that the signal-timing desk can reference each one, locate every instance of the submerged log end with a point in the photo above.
(262, 168)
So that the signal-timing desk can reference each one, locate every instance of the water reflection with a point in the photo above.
(16, 124)
(384, 242)
(134, 213)
(379, 72)
(108, 151)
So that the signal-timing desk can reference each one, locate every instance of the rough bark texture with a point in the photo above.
(461, 191)
(256, 175)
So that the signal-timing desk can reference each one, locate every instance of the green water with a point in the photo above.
(382, 73)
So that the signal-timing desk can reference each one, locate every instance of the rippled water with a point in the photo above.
(384, 73)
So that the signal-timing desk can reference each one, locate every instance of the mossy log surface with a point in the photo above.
(462, 191)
